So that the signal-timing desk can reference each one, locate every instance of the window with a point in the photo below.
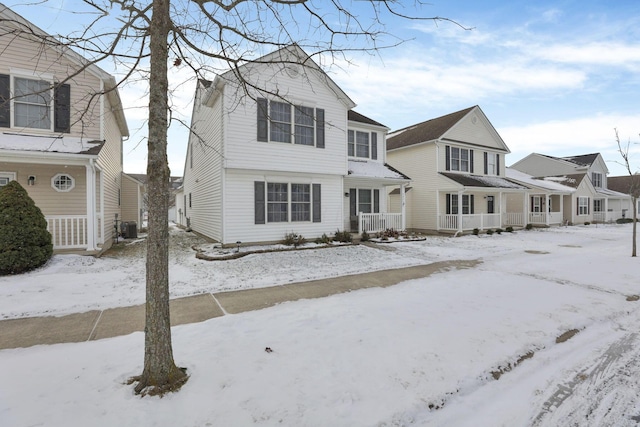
(598, 205)
(62, 182)
(362, 144)
(302, 200)
(6, 177)
(32, 103)
(596, 179)
(536, 204)
(452, 204)
(364, 200)
(583, 206)
(459, 159)
(283, 122)
(491, 164)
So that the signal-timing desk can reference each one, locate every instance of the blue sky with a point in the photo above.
(552, 77)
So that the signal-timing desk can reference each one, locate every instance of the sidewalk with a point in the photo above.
(100, 324)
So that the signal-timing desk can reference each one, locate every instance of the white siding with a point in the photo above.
(240, 207)
(203, 171)
(537, 165)
(474, 128)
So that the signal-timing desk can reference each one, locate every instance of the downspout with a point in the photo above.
(91, 205)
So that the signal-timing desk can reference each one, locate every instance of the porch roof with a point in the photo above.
(482, 181)
(540, 183)
(611, 194)
(49, 144)
(371, 169)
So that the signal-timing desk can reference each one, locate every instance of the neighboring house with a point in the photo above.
(133, 199)
(289, 156)
(625, 184)
(593, 200)
(457, 167)
(61, 134)
(175, 182)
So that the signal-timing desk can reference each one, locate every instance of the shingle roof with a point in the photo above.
(583, 159)
(572, 180)
(481, 181)
(357, 117)
(622, 184)
(425, 131)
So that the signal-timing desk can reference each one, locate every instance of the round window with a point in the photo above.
(63, 182)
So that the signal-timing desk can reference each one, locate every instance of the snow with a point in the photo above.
(359, 168)
(418, 353)
(546, 184)
(59, 144)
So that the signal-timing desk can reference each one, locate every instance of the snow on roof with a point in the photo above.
(611, 193)
(49, 144)
(549, 183)
(364, 168)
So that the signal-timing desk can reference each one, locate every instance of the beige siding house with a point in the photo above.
(457, 167)
(60, 136)
(287, 157)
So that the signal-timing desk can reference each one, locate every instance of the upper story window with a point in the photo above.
(596, 179)
(34, 103)
(283, 122)
(362, 144)
(491, 164)
(458, 159)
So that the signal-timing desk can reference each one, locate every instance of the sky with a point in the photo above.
(553, 77)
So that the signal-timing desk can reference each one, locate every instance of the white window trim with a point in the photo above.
(459, 160)
(292, 122)
(593, 180)
(30, 75)
(583, 206)
(492, 164)
(66, 190)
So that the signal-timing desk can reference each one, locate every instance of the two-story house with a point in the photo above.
(275, 148)
(457, 167)
(61, 133)
(592, 200)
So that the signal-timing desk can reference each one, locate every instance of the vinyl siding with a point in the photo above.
(244, 151)
(478, 132)
(420, 163)
(203, 176)
(537, 166)
(239, 207)
(131, 200)
(21, 54)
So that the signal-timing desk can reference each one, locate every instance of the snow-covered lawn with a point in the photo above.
(419, 353)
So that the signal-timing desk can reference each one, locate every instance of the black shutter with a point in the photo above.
(353, 202)
(447, 156)
(374, 145)
(317, 203)
(588, 205)
(448, 204)
(498, 164)
(376, 201)
(5, 103)
(263, 125)
(319, 128)
(62, 108)
(259, 202)
(470, 161)
(486, 164)
(471, 210)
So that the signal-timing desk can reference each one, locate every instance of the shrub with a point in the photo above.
(529, 226)
(293, 239)
(342, 236)
(476, 232)
(499, 230)
(509, 229)
(365, 237)
(489, 232)
(25, 243)
(587, 223)
(323, 240)
(623, 220)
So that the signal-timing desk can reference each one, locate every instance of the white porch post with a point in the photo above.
(606, 209)
(501, 210)
(525, 209)
(546, 208)
(403, 210)
(562, 207)
(459, 210)
(91, 206)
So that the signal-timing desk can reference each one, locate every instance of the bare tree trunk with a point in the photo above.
(160, 373)
(635, 222)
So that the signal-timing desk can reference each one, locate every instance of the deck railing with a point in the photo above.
(68, 231)
(374, 222)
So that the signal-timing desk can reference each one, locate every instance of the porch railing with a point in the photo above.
(374, 222)
(612, 216)
(541, 218)
(470, 221)
(68, 231)
(513, 219)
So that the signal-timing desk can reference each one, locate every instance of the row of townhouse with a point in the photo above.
(293, 156)
(62, 128)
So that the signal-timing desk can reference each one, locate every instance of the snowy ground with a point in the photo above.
(420, 353)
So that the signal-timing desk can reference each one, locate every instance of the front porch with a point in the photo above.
(72, 232)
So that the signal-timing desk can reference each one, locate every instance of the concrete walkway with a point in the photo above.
(99, 324)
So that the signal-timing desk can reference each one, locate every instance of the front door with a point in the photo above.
(490, 204)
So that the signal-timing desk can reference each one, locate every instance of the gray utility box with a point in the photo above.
(129, 230)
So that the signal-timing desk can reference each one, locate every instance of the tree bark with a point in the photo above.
(160, 373)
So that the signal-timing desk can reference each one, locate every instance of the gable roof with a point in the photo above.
(571, 180)
(357, 117)
(622, 184)
(583, 159)
(429, 130)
